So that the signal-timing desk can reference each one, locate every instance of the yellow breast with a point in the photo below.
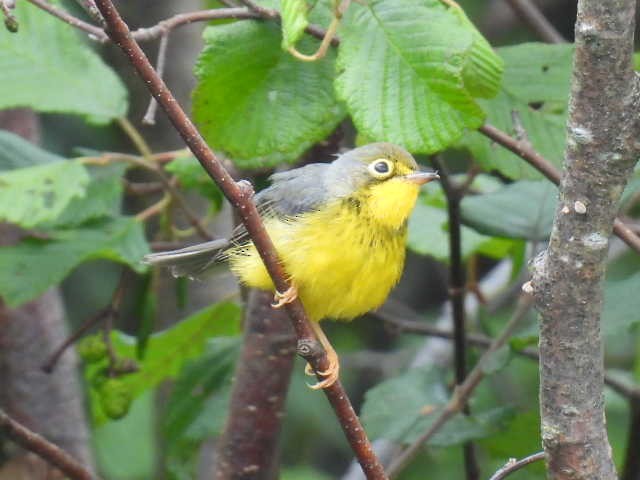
(345, 257)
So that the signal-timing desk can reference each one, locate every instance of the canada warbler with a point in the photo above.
(339, 229)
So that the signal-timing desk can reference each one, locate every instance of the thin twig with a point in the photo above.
(103, 315)
(414, 324)
(155, 209)
(533, 158)
(534, 18)
(456, 294)
(89, 6)
(462, 392)
(513, 465)
(10, 22)
(95, 32)
(328, 36)
(43, 448)
(148, 162)
(240, 196)
(150, 116)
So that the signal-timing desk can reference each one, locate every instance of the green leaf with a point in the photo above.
(47, 67)
(428, 235)
(126, 449)
(294, 21)
(523, 209)
(103, 197)
(402, 408)
(192, 176)
(197, 408)
(258, 103)
(33, 265)
(412, 79)
(16, 152)
(621, 304)
(35, 195)
(536, 87)
(497, 360)
(168, 351)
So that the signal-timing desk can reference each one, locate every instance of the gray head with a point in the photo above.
(371, 164)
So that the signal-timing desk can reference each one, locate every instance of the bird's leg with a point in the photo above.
(331, 373)
(281, 299)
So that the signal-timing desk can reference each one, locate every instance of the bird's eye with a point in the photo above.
(381, 168)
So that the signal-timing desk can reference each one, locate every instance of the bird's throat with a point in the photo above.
(388, 204)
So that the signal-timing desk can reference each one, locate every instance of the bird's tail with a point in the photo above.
(192, 262)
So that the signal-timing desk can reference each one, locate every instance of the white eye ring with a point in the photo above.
(380, 168)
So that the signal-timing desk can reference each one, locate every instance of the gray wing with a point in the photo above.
(291, 193)
(191, 261)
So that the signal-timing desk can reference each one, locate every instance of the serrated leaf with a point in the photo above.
(256, 102)
(197, 408)
(47, 67)
(428, 235)
(192, 176)
(409, 84)
(523, 209)
(294, 21)
(402, 408)
(536, 87)
(32, 266)
(168, 351)
(39, 194)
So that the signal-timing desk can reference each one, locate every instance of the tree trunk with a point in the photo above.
(567, 279)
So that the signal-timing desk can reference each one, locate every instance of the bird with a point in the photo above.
(339, 229)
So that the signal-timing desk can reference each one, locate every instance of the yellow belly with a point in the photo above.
(343, 264)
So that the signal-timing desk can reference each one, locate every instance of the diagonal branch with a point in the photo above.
(240, 196)
(463, 391)
(524, 150)
(514, 465)
(43, 448)
(534, 18)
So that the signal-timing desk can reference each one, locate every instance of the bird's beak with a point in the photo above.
(422, 177)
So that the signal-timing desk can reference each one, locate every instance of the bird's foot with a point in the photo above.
(281, 299)
(330, 374)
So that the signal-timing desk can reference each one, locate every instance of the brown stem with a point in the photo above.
(533, 17)
(457, 294)
(514, 465)
(602, 149)
(248, 447)
(533, 158)
(462, 392)
(95, 32)
(43, 448)
(631, 470)
(240, 196)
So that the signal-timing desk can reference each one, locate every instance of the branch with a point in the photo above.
(524, 150)
(462, 392)
(454, 195)
(150, 115)
(515, 465)
(533, 17)
(240, 196)
(250, 439)
(94, 32)
(631, 470)
(43, 448)
(567, 279)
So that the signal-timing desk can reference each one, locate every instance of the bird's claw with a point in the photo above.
(280, 299)
(330, 374)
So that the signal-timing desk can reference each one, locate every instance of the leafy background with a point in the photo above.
(391, 79)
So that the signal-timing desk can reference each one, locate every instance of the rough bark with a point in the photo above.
(248, 447)
(51, 405)
(567, 278)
